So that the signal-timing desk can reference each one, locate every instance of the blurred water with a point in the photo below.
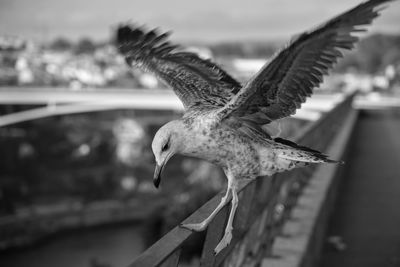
(107, 246)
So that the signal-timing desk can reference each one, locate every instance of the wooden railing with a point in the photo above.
(264, 206)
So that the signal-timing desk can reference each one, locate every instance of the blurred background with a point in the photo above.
(76, 123)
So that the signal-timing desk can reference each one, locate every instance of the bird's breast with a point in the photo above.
(224, 147)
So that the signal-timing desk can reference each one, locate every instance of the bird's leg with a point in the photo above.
(226, 240)
(203, 225)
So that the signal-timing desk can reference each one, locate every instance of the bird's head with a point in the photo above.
(166, 143)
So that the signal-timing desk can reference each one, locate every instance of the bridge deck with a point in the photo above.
(61, 101)
(367, 212)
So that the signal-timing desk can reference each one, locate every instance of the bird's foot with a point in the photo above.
(197, 227)
(225, 241)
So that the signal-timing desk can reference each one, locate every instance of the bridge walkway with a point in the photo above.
(367, 212)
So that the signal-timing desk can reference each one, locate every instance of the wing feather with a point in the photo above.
(283, 84)
(197, 82)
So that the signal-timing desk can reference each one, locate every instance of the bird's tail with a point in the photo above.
(301, 154)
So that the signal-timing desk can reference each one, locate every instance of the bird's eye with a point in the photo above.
(165, 146)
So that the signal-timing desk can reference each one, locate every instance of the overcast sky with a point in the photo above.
(204, 20)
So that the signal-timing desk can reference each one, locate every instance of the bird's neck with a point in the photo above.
(199, 144)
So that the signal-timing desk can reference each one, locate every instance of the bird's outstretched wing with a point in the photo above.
(197, 82)
(281, 86)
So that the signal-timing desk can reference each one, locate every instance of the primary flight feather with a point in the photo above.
(223, 119)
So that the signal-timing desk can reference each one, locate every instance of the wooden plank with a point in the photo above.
(172, 260)
(246, 201)
(250, 217)
(241, 220)
(215, 232)
(154, 255)
(168, 244)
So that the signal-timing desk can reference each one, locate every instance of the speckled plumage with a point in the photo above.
(240, 154)
(223, 119)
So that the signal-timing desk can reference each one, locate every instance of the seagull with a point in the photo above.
(223, 119)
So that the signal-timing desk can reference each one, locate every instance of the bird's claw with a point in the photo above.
(225, 241)
(197, 227)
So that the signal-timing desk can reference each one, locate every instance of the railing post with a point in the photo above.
(215, 232)
(172, 260)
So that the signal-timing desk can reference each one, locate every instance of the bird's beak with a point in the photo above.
(159, 169)
(157, 174)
